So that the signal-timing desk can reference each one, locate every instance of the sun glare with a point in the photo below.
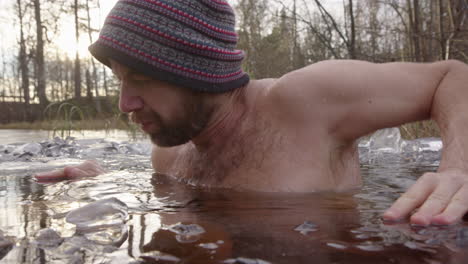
(66, 40)
(68, 46)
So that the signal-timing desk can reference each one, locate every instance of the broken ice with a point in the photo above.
(306, 227)
(105, 212)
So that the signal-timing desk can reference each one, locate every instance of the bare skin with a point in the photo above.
(297, 133)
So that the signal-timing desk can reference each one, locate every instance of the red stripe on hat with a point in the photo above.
(184, 42)
(170, 64)
(191, 17)
(220, 2)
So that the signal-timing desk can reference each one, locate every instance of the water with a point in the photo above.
(132, 216)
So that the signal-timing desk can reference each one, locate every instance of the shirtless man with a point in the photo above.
(181, 81)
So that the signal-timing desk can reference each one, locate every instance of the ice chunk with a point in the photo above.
(187, 233)
(158, 257)
(211, 246)
(48, 238)
(101, 213)
(306, 227)
(30, 148)
(245, 261)
(388, 140)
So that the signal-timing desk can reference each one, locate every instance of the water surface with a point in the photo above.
(131, 215)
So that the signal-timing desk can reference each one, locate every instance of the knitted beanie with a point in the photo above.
(190, 43)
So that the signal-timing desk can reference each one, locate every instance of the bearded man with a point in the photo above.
(181, 80)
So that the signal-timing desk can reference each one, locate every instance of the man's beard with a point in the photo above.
(180, 131)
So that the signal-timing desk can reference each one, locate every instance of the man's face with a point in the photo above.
(171, 115)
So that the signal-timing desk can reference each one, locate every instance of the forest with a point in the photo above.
(278, 37)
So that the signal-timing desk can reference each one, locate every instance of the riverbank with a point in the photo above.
(92, 124)
(409, 131)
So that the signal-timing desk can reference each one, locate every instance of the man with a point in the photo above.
(181, 80)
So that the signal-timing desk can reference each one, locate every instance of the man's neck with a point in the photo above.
(224, 121)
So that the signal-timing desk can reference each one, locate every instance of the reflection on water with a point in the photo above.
(132, 216)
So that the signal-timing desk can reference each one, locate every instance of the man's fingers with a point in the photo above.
(457, 207)
(91, 168)
(412, 199)
(85, 169)
(74, 172)
(436, 202)
(51, 175)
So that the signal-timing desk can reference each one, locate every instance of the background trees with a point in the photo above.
(277, 35)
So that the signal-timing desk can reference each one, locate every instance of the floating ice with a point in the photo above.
(306, 227)
(388, 140)
(187, 233)
(102, 213)
(71, 148)
(6, 244)
(339, 246)
(159, 257)
(370, 247)
(30, 148)
(48, 238)
(387, 145)
(208, 246)
(245, 261)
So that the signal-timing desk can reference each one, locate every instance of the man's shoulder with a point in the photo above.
(293, 96)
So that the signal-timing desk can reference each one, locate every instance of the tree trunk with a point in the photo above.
(90, 35)
(106, 87)
(77, 56)
(40, 75)
(89, 85)
(23, 61)
(417, 32)
(352, 40)
(442, 39)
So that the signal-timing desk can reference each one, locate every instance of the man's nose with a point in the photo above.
(129, 102)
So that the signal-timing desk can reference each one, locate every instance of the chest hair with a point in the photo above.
(245, 150)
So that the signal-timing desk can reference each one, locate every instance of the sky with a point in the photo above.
(9, 32)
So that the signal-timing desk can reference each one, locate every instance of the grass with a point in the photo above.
(90, 124)
(65, 117)
(420, 129)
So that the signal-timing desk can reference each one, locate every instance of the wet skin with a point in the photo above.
(297, 133)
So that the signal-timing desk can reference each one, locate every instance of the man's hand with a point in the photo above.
(88, 168)
(442, 199)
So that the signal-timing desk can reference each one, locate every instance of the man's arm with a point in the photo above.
(89, 168)
(354, 98)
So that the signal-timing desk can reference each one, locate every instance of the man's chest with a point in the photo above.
(240, 161)
(268, 161)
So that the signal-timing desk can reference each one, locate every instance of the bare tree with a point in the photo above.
(77, 55)
(40, 62)
(22, 57)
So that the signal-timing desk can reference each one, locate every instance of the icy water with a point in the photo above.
(132, 216)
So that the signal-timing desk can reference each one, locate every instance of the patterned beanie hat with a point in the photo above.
(190, 43)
